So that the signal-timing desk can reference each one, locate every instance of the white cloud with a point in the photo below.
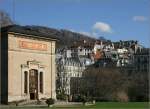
(140, 18)
(96, 29)
(103, 27)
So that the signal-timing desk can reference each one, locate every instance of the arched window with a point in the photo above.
(41, 82)
(25, 82)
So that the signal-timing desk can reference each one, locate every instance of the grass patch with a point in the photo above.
(98, 105)
(121, 105)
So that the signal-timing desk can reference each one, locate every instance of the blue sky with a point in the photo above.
(113, 19)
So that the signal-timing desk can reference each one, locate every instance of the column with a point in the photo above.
(38, 81)
(28, 82)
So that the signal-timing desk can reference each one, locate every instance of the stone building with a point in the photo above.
(66, 69)
(27, 65)
(71, 62)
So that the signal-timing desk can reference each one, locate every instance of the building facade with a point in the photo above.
(71, 62)
(68, 68)
(27, 66)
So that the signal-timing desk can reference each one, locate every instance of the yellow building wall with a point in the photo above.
(18, 56)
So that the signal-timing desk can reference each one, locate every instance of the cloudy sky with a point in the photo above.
(112, 19)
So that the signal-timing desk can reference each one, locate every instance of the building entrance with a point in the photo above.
(33, 84)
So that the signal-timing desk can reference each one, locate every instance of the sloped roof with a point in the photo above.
(28, 30)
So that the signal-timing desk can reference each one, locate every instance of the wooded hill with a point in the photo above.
(66, 38)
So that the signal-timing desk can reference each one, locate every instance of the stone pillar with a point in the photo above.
(38, 91)
(28, 83)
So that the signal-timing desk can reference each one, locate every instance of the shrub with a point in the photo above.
(78, 98)
(61, 96)
(84, 99)
(50, 101)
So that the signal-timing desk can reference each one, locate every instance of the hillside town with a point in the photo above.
(69, 66)
(72, 61)
(72, 54)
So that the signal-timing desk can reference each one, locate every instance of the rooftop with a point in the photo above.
(28, 30)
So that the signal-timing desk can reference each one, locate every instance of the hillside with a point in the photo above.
(66, 38)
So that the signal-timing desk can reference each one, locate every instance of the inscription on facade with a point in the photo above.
(32, 45)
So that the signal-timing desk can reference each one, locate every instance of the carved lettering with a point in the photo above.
(32, 45)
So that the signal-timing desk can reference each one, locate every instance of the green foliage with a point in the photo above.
(82, 98)
(61, 96)
(50, 101)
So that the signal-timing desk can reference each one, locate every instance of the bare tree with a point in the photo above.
(105, 83)
(5, 19)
